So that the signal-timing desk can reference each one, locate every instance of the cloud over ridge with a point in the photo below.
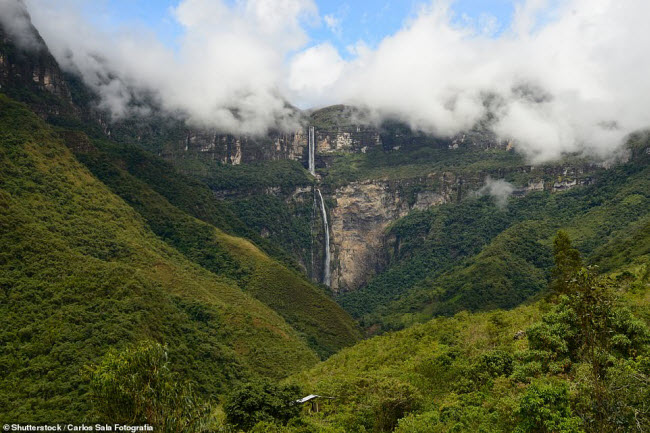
(568, 76)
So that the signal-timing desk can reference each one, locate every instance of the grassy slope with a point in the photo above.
(262, 195)
(187, 194)
(308, 309)
(81, 272)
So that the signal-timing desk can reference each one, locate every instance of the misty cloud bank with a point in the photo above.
(567, 76)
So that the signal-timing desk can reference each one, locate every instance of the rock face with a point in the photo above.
(27, 67)
(354, 139)
(235, 150)
(363, 212)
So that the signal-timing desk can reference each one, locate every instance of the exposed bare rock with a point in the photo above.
(363, 212)
(27, 67)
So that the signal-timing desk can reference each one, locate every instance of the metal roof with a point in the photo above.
(308, 398)
(312, 397)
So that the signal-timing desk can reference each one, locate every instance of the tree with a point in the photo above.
(567, 262)
(136, 386)
(545, 408)
(260, 401)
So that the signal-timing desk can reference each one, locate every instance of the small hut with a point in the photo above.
(313, 399)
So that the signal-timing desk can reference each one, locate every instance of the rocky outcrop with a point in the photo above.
(354, 139)
(362, 213)
(28, 72)
(235, 150)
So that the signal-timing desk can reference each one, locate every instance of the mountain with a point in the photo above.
(475, 255)
(82, 272)
(105, 244)
(155, 271)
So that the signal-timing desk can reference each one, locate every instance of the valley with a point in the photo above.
(153, 270)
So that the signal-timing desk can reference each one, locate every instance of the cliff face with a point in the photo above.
(360, 212)
(235, 150)
(28, 72)
(364, 210)
(354, 139)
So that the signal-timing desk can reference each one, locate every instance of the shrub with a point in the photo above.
(262, 401)
(545, 407)
(136, 386)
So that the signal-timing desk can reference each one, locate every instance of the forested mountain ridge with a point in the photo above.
(92, 266)
(82, 272)
(478, 254)
(535, 368)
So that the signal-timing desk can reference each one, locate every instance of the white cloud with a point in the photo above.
(499, 189)
(314, 70)
(567, 76)
(227, 73)
(557, 80)
(16, 23)
(333, 23)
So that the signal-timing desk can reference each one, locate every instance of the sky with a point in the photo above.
(342, 22)
(554, 76)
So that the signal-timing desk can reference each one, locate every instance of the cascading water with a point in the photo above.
(326, 264)
(313, 219)
(312, 151)
(312, 169)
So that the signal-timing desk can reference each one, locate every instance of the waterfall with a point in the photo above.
(326, 264)
(311, 233)
(312, 151)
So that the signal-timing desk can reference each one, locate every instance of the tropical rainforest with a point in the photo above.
(141, 283)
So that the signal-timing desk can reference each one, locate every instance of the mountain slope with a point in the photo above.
(490, 371)
(180, 210)
(476, 255)
(308, 309)
(82, 272)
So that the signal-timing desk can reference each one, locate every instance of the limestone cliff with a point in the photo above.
(235, 150)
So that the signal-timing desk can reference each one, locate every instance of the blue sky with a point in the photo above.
(366, 20)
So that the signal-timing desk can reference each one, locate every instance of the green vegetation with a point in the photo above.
(266, 195)
(255, 177)
(109, 161)
(136, 385)
(482, 372)
(135, 290)
(417, 162)
(308, 309)
(81, 272)
(333, 117)
(262, 401)
(473, 255)
(576, 362)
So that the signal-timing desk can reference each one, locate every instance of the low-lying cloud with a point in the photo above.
(565, 77)
(226, 73)
(499, 189)
(570, 77)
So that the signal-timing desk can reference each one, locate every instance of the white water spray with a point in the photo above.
(327, 280)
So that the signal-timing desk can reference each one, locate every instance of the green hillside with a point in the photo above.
(474, 255)
(262, 195)
(82, 272)
(524, 370)
(137, 177)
